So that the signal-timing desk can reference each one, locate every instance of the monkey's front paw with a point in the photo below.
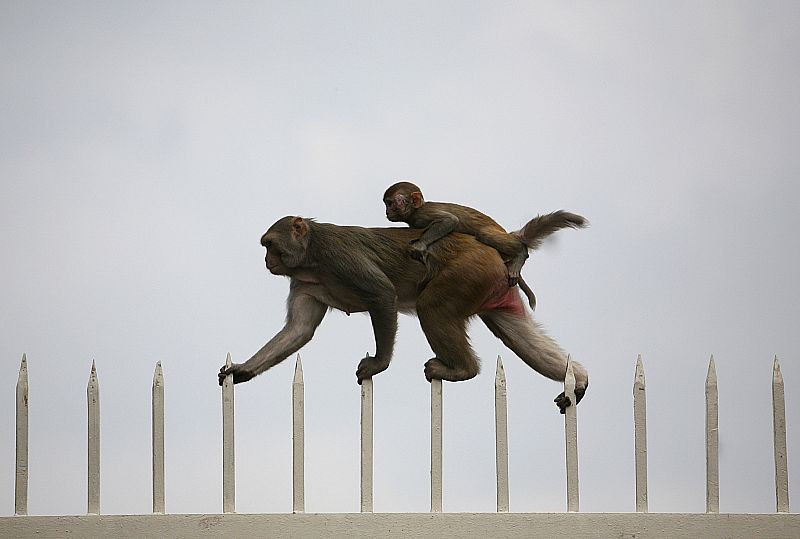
(513, 280)
(240, 374)
(369, 367)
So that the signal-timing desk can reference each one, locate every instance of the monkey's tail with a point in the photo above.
(541, 226)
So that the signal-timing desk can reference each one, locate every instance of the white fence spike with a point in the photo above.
(21, 476)
(93, 443)
(712, 439)
(571, 440)
(157, 423)
(367, 445)
(298, 439)
(640, 435)
(228, 443)
(779, 444)
(501, 436)
(436, 446)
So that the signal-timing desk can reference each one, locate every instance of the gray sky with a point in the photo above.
(146, 146)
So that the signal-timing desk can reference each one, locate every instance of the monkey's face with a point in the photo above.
(286, 244)
(274, 258)
(398, 207)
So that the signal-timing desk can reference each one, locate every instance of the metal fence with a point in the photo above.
(433, 524)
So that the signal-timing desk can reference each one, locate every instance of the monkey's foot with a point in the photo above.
(514, 268)
(369, 367)
(433, 368)
(418, 251)
(436, 370)
(563, 402)
(240, 374)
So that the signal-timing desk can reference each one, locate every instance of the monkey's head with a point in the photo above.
(401, 200)
(286, 242)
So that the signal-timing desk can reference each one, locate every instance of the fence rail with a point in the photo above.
(433, 524)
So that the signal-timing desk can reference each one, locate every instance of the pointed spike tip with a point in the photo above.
(500, 374)
(23, 371)
(638, 378)
(93, 381)
(712, 366)
(158, 373)
(298, 370)
(777, 376)
(569, 377)
(711, 376)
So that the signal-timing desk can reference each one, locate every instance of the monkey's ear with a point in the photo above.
(416, 199)
(299, 227)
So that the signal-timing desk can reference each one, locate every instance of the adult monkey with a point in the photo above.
(355, 269)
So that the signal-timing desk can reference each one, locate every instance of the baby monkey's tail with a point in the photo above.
(541, 226)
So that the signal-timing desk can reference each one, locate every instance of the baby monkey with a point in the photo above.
(405, 203)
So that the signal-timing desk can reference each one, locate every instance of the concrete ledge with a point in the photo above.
(523, 525)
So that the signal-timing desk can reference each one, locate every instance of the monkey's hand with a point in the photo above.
(369, 367)
(240, 374)
(418, 251)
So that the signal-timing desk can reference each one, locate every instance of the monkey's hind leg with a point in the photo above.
(527, 340)
(446, 331)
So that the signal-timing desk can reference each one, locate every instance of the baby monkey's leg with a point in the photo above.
(509, 246)
(515, 264)
(528, 293)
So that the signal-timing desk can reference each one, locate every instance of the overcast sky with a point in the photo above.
(146, 146)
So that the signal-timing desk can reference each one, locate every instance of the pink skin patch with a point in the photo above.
(508, 301)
